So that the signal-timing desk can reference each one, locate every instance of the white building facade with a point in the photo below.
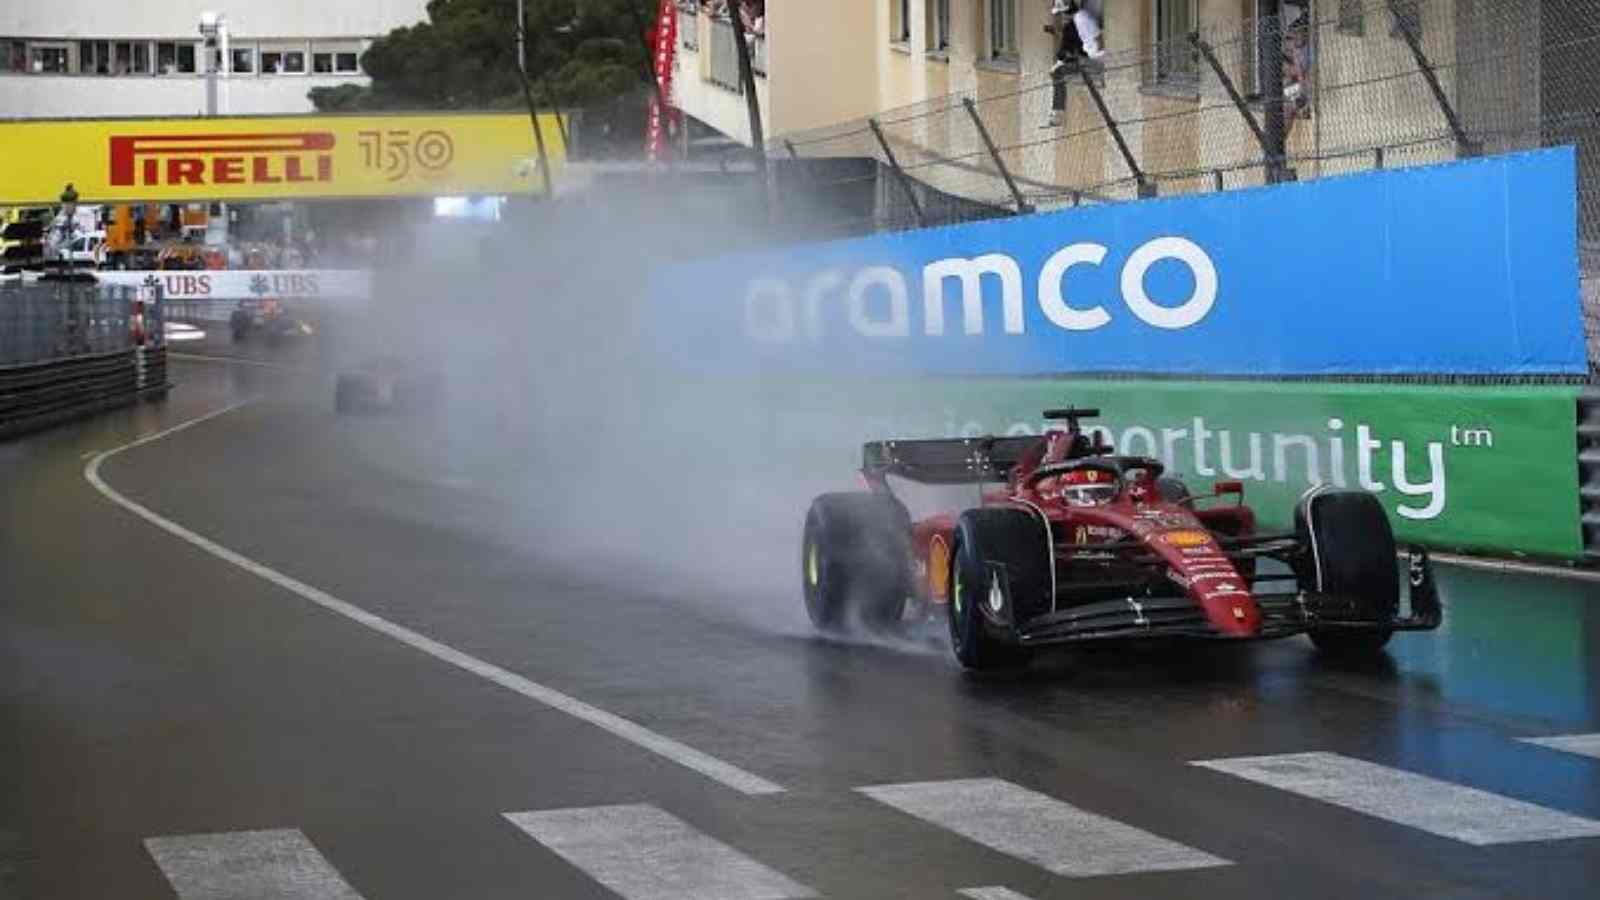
(76, 58)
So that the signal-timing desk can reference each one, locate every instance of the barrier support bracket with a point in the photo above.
(1146, 188)
(1274, 156)
(1023, 206)
(900, 175)
(1466, 147)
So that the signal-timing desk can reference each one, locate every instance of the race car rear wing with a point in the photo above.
(945, 460)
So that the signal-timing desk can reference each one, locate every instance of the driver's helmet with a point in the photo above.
(1087, 487)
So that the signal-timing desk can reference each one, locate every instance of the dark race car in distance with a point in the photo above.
(1073, 543)
(387, 383)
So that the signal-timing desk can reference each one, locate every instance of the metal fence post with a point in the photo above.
(1274, 160)
(900, 175)
(1269, 62)
(1023, 206)
(1465, 146)
(1146, 189)
(1589, 470)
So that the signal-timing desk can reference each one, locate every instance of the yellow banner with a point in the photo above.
(273, 157)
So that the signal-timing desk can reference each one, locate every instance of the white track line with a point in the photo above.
(1045, 831)
(1449, 810)
(632, 732)
(232, 361)
(281, 864)
(643, 853)
(991, 893)
(1581, 744)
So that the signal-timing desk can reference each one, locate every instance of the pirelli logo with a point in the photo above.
(221, 159)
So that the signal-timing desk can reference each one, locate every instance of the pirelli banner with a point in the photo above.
(273, 157)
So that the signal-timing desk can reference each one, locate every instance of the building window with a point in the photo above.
(1003, 29)
(322, 63)
(94, 57)
(294, 62)
(1176, 60)
(13, 56)
(173, 58)
(243, 59)
(48, 58)
(1409, 12)
(129, 58)
(900, 21)
(1350, 19)
(938, 26)
(347, 63)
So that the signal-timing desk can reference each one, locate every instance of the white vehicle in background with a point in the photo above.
(87, 250)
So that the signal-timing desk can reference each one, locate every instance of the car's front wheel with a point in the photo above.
(1353, 563)
(999, 577)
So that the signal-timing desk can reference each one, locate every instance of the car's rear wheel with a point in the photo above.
(1353, 563)
(999, 578)
(855, 561)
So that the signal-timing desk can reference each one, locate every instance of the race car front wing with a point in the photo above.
(1282, 614)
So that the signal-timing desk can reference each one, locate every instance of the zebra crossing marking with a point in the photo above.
(991, 893)
(643, 853)
(240, 865)
(1439, 807)
(1047, 832)
(1581, 744)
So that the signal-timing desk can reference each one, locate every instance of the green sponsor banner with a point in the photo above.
(1469, 467)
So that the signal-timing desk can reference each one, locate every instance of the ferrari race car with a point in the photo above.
(1072, 543)
(386, 383)
(267, 316)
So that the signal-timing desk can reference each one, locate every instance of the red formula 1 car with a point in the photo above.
(1072, 543)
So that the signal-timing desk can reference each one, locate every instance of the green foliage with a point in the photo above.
(465, 57)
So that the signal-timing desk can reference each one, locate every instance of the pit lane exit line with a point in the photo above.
(632, 732)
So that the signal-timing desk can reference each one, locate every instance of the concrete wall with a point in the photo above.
(179, 18)
(38, 96)
(822, 61)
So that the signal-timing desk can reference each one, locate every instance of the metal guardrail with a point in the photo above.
(1589, 470)
(71, 349)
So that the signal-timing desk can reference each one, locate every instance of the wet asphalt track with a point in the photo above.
(171, 725)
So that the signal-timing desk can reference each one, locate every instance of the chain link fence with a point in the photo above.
(46, 321)
(1356, 86)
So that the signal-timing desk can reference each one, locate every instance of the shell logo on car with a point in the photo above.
(938, 569)
(1186, 538)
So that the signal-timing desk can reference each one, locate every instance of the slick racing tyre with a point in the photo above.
(855, 561)
(999, 577)
(1352, 560)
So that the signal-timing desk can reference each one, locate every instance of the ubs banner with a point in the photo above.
(241, 284)
(272, 157)
(1463, 268)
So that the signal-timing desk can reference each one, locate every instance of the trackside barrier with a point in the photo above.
(1589, 469)
(69, 350)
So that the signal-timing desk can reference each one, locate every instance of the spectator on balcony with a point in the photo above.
(1298, 59)
(1077, 29)
(753, 13)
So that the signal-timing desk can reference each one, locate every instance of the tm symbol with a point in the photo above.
(1467, 436)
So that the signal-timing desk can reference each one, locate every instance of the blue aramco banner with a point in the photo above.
(1463, 268)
